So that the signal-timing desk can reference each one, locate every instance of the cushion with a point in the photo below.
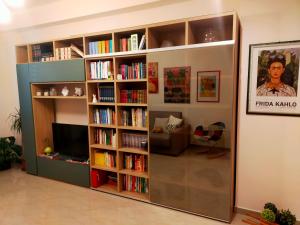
(157, 130)
(161, 123)
(173, 123)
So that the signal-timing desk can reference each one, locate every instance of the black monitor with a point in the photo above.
(71, 140)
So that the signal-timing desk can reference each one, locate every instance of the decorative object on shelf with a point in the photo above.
(38, 93)
(78, 91)
(208, 86)
(48, 150)
(53, 92)
(119, 76)
(268, 215)
(209, 36)
(65, 91)
(285, 217)
(273, 79)
(153, 77)
(46, 93)
(177, 84)
(94, 99)
(144, 144)
(166, 43)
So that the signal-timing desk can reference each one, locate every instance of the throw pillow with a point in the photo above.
(161, 122)
(173, 123)
(157, 130)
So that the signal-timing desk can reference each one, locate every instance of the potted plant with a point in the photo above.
(9, 152)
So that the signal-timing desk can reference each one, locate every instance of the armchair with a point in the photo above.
(168, 143)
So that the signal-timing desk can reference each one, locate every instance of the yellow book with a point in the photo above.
(99, 47)
(103, 46)
(99, 159)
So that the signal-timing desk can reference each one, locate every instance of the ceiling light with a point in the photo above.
(4, 13)
(14, 3)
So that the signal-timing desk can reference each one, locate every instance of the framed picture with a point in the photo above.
(208, 86)
(177, 84)
(273, 79)
(153, 77)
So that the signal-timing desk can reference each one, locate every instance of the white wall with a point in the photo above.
(268, 167)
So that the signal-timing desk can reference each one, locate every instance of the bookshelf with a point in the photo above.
(117, 76)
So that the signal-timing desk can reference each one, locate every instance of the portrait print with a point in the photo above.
(273, 79)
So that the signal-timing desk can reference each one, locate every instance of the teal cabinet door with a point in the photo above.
(28, 138)
(69, 70)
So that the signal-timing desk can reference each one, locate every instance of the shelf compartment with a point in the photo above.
(123, 41)
(131, 68)
(102, 116)
(213, 29)
(132, 118)
(133, 164)
(104, 180)
(22, 54)
(54, 90)
(41, 52)
(104, 93)
(166, 35)
(99, 44)
(132, 93)
(100, 69)
(68, 49)
(104, 159)
(134, 186)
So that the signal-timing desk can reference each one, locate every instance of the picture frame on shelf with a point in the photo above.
(273, 79)
(208, 86)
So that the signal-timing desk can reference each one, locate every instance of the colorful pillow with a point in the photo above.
(157, 130)
(173, 123)
(162, 123)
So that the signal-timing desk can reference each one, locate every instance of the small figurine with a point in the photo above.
(46, 93)
(65, 91)
(78, 91)
(94, 99)
(53, 92)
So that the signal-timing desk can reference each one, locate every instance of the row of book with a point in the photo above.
(135, 162)
(135, 184)
(132, 140)
(105, 159)
(132, 43)
(104, 116)
(137, 70)
(106, 93)
(42, 52)
(101, 70)
(133, 96)
(105, 137)
(136, 117)
(100, 47)
(68, 53)
(101, 177)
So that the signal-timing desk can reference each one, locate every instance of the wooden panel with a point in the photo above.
(22, 54)
(44, 116)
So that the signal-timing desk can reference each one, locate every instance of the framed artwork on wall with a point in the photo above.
(153, 77)
(208, 86)
(273, 79)
(177, 84)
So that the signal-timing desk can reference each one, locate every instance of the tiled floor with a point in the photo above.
(31, 200)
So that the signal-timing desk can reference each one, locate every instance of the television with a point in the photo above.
(71, 140)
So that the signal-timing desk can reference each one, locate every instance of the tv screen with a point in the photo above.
(71, 140)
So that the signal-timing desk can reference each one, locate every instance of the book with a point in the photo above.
(134, 42)
(142, 43)
(134, 140)
(77, 50)
(135, 184)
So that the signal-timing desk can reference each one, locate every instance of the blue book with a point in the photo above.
(110, 46)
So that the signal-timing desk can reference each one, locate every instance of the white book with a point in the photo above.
(69, 56)
(134, 42)
(77, 50)
(62, 53)
(57, 54)
(142, 43)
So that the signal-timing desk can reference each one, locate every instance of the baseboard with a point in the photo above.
(245, 211)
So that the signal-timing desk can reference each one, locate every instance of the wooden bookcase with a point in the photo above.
(213, 31)
(118, 150)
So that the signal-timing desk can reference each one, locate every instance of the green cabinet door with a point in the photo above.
(69, 70)
(28, 138)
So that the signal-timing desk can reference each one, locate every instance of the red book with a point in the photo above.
(107, 46)
(124, 44)
(95, 178)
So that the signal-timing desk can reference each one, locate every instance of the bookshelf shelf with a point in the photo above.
(133, 128)
(102, 125)
(134, 173)
(111, 169)
(100, 81)
(131, 80)
(134, 150)
(107, 188)
(135, 195)
(102, 103)
(133, 104)
(99, 146)
(61, 97)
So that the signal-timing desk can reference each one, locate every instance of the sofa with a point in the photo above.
(168, 143)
